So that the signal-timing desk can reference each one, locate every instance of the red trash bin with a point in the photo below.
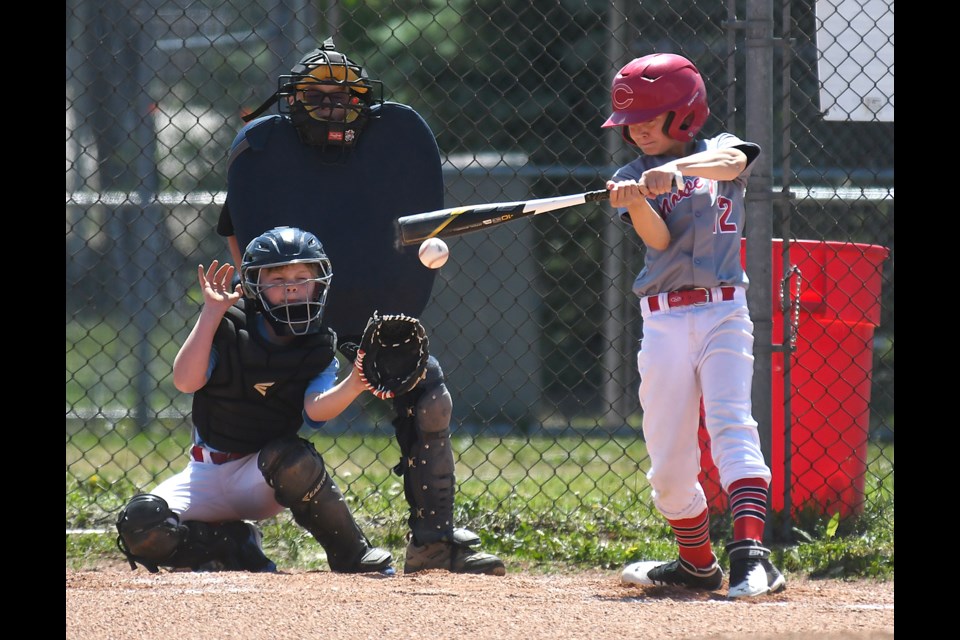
(831, 373)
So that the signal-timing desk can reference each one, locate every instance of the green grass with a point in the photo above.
(544, 504)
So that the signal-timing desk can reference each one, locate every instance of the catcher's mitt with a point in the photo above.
(393, 353)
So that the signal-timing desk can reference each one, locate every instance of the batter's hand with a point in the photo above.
(626, 193)
(660, 180)
(215, 285)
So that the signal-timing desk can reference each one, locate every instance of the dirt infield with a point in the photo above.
(121, 604)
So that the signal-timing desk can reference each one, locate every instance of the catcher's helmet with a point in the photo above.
(276, 248)
(661, 82)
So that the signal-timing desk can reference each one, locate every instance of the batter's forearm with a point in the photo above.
(717, 164)
(649, 225)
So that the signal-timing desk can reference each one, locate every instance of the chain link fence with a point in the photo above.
(534, 322)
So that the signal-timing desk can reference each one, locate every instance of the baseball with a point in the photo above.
(434, 253)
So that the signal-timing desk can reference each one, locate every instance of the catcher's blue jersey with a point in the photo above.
(349, 201)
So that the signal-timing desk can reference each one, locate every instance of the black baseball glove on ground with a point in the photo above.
(393, 353)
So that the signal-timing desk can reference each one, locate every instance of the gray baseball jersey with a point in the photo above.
(705, 219)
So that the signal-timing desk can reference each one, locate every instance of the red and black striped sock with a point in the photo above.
(748, 504)
(693, 537)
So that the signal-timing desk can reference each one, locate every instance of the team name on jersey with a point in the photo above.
(669, 202)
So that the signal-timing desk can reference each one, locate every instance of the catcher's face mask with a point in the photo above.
(292, 296)
(288, 274)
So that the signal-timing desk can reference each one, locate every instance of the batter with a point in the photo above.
(697, 334)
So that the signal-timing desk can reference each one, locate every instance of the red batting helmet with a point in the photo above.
(658, 83)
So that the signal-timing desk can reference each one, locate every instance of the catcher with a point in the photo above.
(342, 163)
(259, 365)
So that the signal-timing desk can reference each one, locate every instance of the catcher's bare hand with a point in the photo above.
(215, 285)
(393, 354)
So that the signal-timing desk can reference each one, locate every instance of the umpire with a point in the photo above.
(340, 162)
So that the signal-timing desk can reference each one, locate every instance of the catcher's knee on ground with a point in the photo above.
(423, 431)
(295, 470)
(149, 533)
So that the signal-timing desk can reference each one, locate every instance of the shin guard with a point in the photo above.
(423, 431)
(295, 470)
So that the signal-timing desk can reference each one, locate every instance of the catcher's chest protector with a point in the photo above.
(349, 202)
(256, 390)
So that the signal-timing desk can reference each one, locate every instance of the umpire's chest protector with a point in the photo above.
(350, 201)
(255, 393)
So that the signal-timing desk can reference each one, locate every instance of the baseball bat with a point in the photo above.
(455, 221)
